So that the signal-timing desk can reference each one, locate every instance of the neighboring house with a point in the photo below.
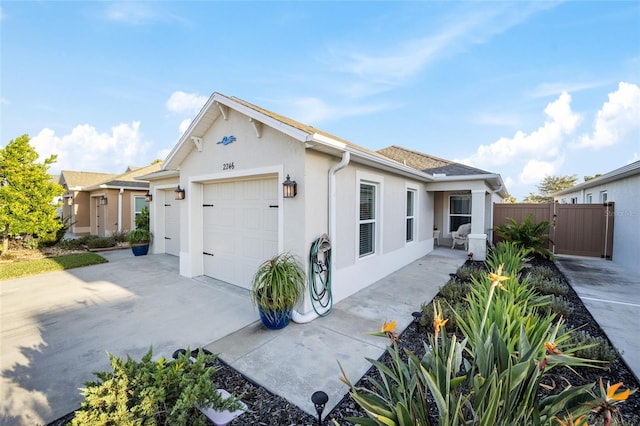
(379, 212)
(622, 187)
(101, 203)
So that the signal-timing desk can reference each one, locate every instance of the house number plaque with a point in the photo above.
(228, 166)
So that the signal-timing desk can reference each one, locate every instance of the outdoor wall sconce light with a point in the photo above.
(289, 188)
(103, 200)
(148, 197)
(179, 193)
(319, 400)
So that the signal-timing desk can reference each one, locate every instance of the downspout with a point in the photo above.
(331, 206)
(120, 209)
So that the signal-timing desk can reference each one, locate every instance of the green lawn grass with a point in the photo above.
(38, 266)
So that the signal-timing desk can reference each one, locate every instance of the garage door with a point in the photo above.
(240, 228)
(171, 225)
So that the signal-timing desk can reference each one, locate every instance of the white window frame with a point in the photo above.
(589, 198)
(574, 200)
(449, 214)
(411, 216)
(134, 212)
(364, 178)
(604, 197)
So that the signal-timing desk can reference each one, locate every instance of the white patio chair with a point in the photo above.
(461, 236)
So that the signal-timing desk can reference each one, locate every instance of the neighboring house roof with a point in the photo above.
(79, 180)
(617, 174)
(429, 163)
(128, 179)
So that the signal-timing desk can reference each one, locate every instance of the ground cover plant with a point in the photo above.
(161, 392)
(23, 268)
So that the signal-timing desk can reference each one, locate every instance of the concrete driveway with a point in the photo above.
(55, 328)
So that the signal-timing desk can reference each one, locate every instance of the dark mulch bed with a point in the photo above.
(269, 409)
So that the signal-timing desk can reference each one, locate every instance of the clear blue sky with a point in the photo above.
(521, 89)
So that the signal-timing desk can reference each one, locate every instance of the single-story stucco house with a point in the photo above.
(252, 183)
(104, 203)
(622, 187)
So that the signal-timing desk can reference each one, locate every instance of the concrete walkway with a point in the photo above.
(612, 294)
(303, 358)
(56, 328)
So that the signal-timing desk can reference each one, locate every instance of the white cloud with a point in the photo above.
(313, 111)
(553, 89)
(185, 103)
(184, 125)
(4, 101)
(86, 149)
(535, 171)
(140, 13)
(393, 65)
(545, 142)
(617, 118)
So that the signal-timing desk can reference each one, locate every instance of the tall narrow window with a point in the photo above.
(411, 196)
(459, 211)
(139, 203)
(589, 198)
(367, 219)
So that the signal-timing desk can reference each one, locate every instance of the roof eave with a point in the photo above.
(620, 173)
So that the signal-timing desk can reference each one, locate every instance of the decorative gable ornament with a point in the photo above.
(226, 140)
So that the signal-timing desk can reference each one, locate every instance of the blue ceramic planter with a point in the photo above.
(274, 320)
(140, 250)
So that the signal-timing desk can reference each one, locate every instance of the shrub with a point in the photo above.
(449, 309)
(153, 392)
(70, 244)
(142, 220)
(468, 272)
(119, 236)
(559, 306)
(455, 291)
(552, 286)
(541, 272)
(101, 242)
(529, 235)
(593, 347)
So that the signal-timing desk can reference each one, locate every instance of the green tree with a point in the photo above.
(549, 186)
(587, 178)
(26, 193)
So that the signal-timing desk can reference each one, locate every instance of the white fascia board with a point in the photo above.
(494, 179)
(103, 186)
(617, 174)
(186, 136)
(162, 174)
(334, 146)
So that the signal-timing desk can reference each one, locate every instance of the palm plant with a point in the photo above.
(528, 235)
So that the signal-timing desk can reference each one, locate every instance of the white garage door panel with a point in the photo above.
(171, 227)
(241, 229)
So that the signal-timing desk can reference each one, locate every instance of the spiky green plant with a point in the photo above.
(528, 234)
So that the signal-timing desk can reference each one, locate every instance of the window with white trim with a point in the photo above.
(459, 211)
(574, 200)
(410, 215)
(367, 221)
(589, 198)
(138, 204)
(603, 196)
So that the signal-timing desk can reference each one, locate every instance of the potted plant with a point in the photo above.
(276, 288)
(139, 240)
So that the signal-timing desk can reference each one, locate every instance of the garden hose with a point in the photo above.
(320, 276)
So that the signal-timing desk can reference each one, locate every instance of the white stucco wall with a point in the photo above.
(625, 193)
